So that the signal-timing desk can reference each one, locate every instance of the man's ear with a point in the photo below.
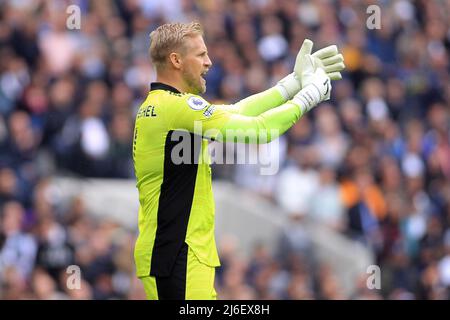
(175, 60)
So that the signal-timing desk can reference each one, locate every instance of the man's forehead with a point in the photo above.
(196, 43)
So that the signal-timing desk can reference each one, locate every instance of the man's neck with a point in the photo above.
(172, 81)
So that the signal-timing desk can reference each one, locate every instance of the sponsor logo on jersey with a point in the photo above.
(209, 111)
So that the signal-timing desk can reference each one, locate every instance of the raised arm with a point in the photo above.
(218, 123)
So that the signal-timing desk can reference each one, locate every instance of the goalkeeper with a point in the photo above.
(175, 253)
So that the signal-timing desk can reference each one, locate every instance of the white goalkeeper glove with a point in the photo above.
(316, 86)
(328, 59)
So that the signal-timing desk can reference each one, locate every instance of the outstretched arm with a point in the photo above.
(258, 103)
(262, 128)
(218, 123)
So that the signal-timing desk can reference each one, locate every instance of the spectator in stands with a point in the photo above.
(374, 164)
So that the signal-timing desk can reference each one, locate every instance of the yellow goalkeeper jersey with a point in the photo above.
(174, 180)
(173, 172)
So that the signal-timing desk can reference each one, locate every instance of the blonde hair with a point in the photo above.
(169, 37)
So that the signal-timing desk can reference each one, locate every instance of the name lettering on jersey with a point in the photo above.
(197, 103)
(146, 112)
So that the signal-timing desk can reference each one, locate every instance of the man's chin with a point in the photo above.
(198, 89)
(201, 89)
(203, 85)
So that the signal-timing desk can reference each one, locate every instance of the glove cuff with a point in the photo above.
(307, 98)
(288, 86)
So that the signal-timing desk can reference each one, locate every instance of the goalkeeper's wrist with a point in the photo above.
(307, 98)
(288, 86)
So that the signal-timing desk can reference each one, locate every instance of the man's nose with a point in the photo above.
(208, 62)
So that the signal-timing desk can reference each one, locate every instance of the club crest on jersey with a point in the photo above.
(196, 103)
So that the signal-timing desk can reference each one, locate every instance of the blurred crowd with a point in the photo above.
(373, 163)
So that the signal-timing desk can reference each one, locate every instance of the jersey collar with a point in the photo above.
(162, 86)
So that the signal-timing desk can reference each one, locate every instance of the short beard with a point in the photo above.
(194, 86)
